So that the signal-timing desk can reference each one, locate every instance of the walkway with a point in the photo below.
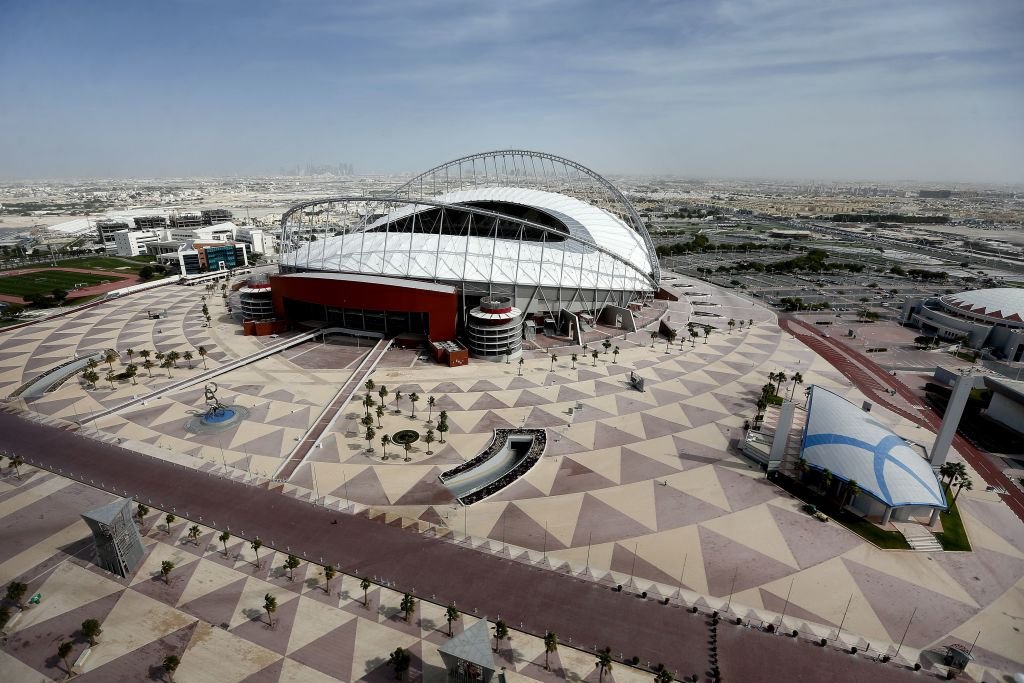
(530, 599)
(330, 414)
(209, 374)
(872, 379)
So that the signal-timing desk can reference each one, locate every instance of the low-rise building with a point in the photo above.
(133, 242)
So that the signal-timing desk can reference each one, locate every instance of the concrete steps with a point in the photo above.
(918, 537)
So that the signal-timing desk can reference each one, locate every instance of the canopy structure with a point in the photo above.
(848, 442)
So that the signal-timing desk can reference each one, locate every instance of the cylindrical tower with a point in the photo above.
(494, 329)
(256, 302)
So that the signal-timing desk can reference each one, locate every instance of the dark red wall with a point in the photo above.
(442, 307)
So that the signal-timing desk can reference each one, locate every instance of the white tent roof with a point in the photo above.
(624, 265)
(845, 440)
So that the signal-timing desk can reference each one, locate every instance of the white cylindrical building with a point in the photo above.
(494, 329)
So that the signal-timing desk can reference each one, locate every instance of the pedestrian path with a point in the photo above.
(918, 537)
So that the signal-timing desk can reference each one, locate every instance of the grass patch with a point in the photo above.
(45, 281)
(890, 540)
(953, 535)
(117, 264)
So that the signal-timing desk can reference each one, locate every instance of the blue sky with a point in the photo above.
(806, 89)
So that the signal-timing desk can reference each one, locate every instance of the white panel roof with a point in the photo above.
(845, 440)
(624, 265)
(1000, 303)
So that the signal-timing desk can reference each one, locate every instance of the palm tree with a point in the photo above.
(369, 438)
(826, 480)
(131, 371)
(654, 337)
(595, 355)
(380, 416)
(91, 630)
(615, 356)
(291, 564)
(670, 337)
(428, 439)
(364, 583)
(159, 355)
(174, 357)
(16, 462)
(328, 575)
(16, 591)
(91, 377)
(188, 358)
(574, 358)
(550, 645)
(431, 402)
(148, 364)
(398, 397)
(554, 359)
(693, 337)
(750, 322)
(167, 364)
(407, 446)
(63, 650)
(604, 662)
(193, 533)
(521, 362)
(170, 665)
(129, 352)
(607, 345)
(707, 333)
(732, 324)
(270, 605)
(850, 492)
(797, 379)
(451, 614)
(500, 633)
(109, 357)
(384, 442)
(369, 384)
(110, 378)
(964, 483)
(202, 354)
(399, 661)
(663, 675)
(383, 393)
(508, 354)
(256, 545)
(224, 538)
(368, 403)
(807, 396)
(442, 427)
(947, 471)
(170, 520)
(802, 467)
(141, 512)
(166, 567)
(145, 353)
(408, 606)
(781, 378)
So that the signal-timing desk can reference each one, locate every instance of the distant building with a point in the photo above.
(259, 241)
(791, 234)
(119, 546)
(219, 232)
(214, 216)
(935, 194)
(106, 229)
(192, 258)
(133, 242)
(150, 222)
(980, 318)
(186, 220)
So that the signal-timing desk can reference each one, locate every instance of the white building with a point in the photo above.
(133, 242)
(221, 232)
(259, 241)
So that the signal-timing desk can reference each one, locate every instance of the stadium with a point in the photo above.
(990, 319)
(484, 248)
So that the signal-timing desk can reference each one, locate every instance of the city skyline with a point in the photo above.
(791, 90)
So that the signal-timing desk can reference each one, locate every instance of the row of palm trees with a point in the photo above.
(955, 472)
(367, 421)
(166, 361)
(845, 494)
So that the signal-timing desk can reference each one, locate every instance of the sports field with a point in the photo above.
(116, 264)
(45, 281)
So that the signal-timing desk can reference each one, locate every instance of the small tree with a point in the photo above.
(109, 357)
(369, 385)
(132, 371)
(256, 545)
(91, 377)
(732, 324)
(63, 650)
(615, 356)
(16, 591)
(550, 645)
(407, 446)
(604, 662)
(826, 480)
(270, 605)
(291, 564)
(224, 538)
(654, 337)
(365, 584)
(431, 402)
(508, 354)
(110, 378)
(428, 438)
(369, 438)
(328, 575)
(964, 483)
(595, 355)
(451, 614)
(663, 675)
(413, 398)
(802, 467)
(188, 358)
(384, 442)
(395, 403)
(148, 364)
(382, 391)
(170, 665)
(91, 630)
(16, 462)
(141, 511)
(500, 633)
(380, 416)
(193, 533)
(174, 357)
(368, 403)
(130, 352)
(522, 362)
(442, 427)
(408, 606)
(166, 567)
(399, 660)
(607, 345)
(170, 520)
(202, 350)
(554, 359)
(167, 364)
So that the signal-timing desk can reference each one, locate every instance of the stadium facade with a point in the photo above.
(991, 319)
(503, 240)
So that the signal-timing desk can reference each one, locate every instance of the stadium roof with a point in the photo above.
(1004, 304)
(845, 440)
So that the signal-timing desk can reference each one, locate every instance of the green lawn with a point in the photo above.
(45, 281)
(126, 265)
(953, 535)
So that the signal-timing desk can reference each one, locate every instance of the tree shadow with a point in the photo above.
(252, 614)
(156, 672)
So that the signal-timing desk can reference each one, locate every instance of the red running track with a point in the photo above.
(869, 377)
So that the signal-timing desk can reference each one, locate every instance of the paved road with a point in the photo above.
(868, 376)
(581, 612)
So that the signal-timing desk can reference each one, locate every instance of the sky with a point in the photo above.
(926, 90)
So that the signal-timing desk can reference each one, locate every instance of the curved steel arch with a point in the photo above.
(464, 209)
(631, 213)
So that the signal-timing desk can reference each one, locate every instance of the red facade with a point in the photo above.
(382, 294)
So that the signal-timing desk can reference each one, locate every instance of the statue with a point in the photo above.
(214, 408)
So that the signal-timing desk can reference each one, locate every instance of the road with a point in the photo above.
(528, 598)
